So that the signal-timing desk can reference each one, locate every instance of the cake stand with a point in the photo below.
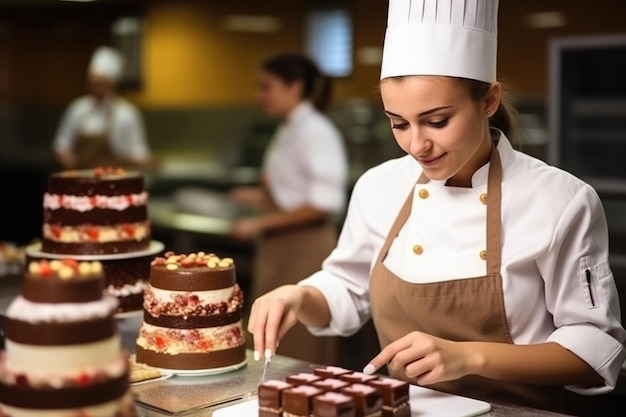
(155, 247)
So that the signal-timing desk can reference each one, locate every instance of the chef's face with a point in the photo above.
(100, 86)
(435, 120)
(276, 96)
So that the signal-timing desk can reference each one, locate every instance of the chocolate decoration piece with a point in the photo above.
(59, 334)
(333, 404)
(193, 322)
(58, 399)
(93, 248)
(81, 183)
(299, 400)
(196, 278)
(270, 395)
(55, 290)
(367, 399)
(192, 361)
(97, 216)
(303, 378)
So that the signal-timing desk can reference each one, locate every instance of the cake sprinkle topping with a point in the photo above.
(64, 269)
(172, 261)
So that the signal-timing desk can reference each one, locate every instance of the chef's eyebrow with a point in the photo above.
(422, 114)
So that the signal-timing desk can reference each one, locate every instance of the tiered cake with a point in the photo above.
(334, 392)
(192, 314)
(101, 214)
(63, 354)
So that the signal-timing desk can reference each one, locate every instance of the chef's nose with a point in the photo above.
(419, 142)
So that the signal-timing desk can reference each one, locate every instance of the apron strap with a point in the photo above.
(494, 194)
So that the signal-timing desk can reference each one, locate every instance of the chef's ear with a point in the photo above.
(297, 86)
(492, 98)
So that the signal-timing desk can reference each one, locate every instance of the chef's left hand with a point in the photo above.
(247, 228)
(425, 358)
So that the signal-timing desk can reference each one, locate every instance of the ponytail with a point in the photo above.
(292, 67)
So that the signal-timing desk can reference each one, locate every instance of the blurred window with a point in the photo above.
(328, 37)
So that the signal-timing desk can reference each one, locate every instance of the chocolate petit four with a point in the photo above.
(358, 378)
(298, 401)
(333, 404)
(302, 378)
(395, 395)
(368, 401)
(270, 398)
(330, 384)
(331, 371)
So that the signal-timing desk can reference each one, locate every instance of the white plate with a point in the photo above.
(129, 314)
(204, 372)
(147, 381)
(155, 247)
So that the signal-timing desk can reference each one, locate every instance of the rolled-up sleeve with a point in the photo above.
(344, 278)
(580, 290)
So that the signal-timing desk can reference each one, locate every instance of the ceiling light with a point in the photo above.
(546, 20)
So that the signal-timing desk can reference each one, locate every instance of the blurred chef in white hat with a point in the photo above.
(102, 128)
(484, 270)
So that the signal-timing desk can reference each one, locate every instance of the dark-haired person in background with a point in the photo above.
(302, 190)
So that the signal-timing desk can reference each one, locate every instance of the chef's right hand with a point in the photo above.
(272, 315)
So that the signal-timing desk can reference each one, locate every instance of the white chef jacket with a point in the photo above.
(553, 230)
(84, 115)
(305, 162)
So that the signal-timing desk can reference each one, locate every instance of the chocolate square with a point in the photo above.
(395, 395)
(270, 399)
(367, 399)
(303, 378)
(333, 404)
(331, 371)
(299, 400)
(330, 384)
(358, 378)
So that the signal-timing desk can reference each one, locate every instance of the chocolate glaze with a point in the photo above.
(270, 395)
(192, 361)
(199, 278)
(299, 400)
(333, 404)
(89, 248)
(96, 216)
(394, 392)
(70, 397)
(192, 322)
(85, 183)
(55, 290)
(58, 334)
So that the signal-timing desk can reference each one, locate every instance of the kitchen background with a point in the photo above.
(191, 69)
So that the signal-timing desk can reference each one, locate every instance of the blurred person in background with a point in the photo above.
(302, 190)
(102, 128)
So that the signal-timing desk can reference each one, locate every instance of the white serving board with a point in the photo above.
(424, 403)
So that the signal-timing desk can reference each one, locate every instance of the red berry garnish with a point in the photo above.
(158, 261)
(200, 262)
(56, 231)
(159, 342)
(93, 201)
(44, 269)
(92, 232)
(169, 253)
(129, 229)
(83, 380)
(70, 262)
(205, 344)
(21, 380)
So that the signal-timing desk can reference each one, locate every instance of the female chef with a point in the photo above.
(102, 128)
(485, 270)
(303, 189)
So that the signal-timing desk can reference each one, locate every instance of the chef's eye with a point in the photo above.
(399, 125)
(438, 124)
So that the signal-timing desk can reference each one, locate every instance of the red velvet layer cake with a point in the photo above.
(192, 314)
(94, 212)
(63, 356)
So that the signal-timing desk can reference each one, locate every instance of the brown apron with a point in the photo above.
(460, 309)
(286, 257)
(94, 150)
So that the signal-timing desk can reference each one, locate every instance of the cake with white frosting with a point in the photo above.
(63, 355)
(192, 314)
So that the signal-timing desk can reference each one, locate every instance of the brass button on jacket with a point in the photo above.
(483, 198)
(483, 254)
(423, 193)
(418, 249)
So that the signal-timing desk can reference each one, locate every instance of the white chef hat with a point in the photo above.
(456, 38)
(107, 62)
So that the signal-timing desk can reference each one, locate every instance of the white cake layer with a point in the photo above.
(109, 409)
(205, 297)
(62, 358)
(127, 289)
(22, 309)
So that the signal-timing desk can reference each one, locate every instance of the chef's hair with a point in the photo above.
(292, 67)
(505, 117)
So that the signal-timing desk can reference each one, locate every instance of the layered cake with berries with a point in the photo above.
(62, 352)
(331, 392)
(93, 212)
(192, 314)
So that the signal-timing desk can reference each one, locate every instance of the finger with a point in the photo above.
(418, 368)
(289, 321)
(387, 354)
(258, 320)
(274, 320)
(405, 357)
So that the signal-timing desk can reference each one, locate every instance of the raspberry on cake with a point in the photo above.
(62, 348)
(192, 314)
(93, 212)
